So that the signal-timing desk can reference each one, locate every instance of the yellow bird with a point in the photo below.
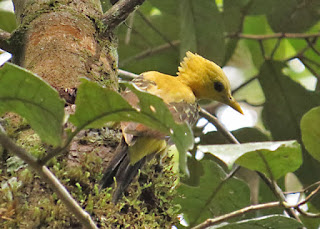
(197, 78)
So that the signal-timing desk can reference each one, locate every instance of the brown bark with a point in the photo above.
(62, 43)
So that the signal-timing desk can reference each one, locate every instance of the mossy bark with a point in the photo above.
(61, 41)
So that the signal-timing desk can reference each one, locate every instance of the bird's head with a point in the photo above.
(207, 80)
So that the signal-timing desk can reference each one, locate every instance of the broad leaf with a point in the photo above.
(26, 94)
(266, 222)
(281, 157)
(141, 48)
(286, 15)
(310, 131)
(286, 101)
(243, 135)
(97, 105)
(277, 159)
(202, 30)
(233, 17)
(7, 21)
(213, 197)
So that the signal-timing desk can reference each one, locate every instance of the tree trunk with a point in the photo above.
(62, 41)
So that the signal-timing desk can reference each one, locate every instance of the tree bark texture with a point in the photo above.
(61, 42)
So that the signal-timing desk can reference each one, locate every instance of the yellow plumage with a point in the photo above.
(197, 78)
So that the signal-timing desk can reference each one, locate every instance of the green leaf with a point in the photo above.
(286, 101)
(138, 46)
(285, 16)
(202, 30)
(26, 94)
(112, 107)
(7, 21)
(243, 135)
(258, 7)
(257, 25)
(233, 17)
(310, 131)
(213, 197)
(166, 6)
(267, 222)
(233, 14)
(282, 157)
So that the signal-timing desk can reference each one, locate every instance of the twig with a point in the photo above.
(302, 51)
(309, 197)
(274, 36)
(308, 214)
(129, 30)
(118, 13)
(275, 48)
(311, 43)
(309, 68)
(58, 150)
(311, 61)
(277, 190)
(279, 194)
(245, 84)
(149, 52)
(219, 219)
(274, 187)
(229, 136)
(127, 74)
(263, 53)
(156, 30)
(48, 177)
(216, 190)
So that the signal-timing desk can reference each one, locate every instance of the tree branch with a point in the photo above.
(126, 74)
(149, 52)
(274, 36)
(118, 13)
(219, 219)
(50, 178)
(155, 29)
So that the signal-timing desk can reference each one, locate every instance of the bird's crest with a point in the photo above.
(195, 63)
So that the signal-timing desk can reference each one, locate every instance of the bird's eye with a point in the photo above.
(218, 86)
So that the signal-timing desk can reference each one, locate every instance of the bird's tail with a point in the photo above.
(120, 169)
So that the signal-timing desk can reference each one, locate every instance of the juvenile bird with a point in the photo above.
(197, 78)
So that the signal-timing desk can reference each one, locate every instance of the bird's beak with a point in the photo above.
(235, 105)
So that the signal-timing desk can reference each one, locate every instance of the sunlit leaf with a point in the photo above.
(310, 130)
(281, 157)
(7, 21)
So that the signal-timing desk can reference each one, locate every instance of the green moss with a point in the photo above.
(148, 202)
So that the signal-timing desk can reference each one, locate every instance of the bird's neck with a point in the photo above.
(195, 78)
